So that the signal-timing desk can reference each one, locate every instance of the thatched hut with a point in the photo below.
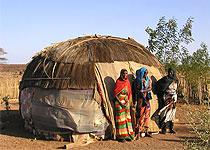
(68, 86)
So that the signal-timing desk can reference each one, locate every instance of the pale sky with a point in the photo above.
(28, 26)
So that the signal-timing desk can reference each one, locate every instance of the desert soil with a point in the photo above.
(14, 137)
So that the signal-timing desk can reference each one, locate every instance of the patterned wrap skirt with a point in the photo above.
(123, 118)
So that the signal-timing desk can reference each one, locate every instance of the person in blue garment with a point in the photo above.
(142, 103)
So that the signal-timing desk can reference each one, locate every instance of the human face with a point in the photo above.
(125, 74)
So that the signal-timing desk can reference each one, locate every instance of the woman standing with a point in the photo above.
(122, 94)
(143, 108)
(166, 89)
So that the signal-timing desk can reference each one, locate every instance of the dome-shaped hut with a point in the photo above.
(68, 86)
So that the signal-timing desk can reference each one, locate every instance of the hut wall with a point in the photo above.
(111, 71)
(68, 110)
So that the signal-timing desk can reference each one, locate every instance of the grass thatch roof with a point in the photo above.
(70, 64)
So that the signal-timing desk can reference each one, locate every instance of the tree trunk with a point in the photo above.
(200, 91)
(190, 92)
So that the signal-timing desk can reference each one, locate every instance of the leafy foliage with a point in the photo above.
(5, 100)
(168, 43)
(167, 40)
(2, 52)
(196, 67)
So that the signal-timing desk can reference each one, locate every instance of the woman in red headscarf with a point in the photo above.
(122, 94)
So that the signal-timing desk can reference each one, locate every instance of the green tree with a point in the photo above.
(2, 52)
(196, 68)
(200, 63)
(167, 42)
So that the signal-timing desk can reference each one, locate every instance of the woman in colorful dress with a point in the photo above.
(142, 103)
(122, 94)
(166, 90)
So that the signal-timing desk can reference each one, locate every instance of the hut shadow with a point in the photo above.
(160, 100)
(110, 86)
(13, 125)
(154, 81)
(155, 117)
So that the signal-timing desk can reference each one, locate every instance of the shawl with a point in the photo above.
(139, 76)
(164, 82)
(120, 84)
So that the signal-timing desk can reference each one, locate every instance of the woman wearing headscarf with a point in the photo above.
(122, 94)
(142, 103)
(166, 90)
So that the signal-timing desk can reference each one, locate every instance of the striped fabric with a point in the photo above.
(168, 112)
(143, 115)
(123, 118)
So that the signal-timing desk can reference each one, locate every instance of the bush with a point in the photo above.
(5, 100)
(200, 124)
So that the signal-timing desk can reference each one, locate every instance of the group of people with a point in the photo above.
(141, 94)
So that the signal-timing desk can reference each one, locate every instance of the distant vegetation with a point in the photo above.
(2, 52)
(10, 77)
(15, 68)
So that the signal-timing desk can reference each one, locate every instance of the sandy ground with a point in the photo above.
(14, 137)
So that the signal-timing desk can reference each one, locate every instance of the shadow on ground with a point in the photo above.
(170, 140)
(191, 139)
(13, 124)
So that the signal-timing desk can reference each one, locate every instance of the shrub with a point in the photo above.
(200, 124)
(5, 100)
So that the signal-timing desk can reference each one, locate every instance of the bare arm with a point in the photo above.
(148, 89)
(120, 102)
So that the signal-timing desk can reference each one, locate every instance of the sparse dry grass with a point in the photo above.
(10, 77)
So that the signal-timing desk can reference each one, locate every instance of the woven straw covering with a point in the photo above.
(70, 64)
